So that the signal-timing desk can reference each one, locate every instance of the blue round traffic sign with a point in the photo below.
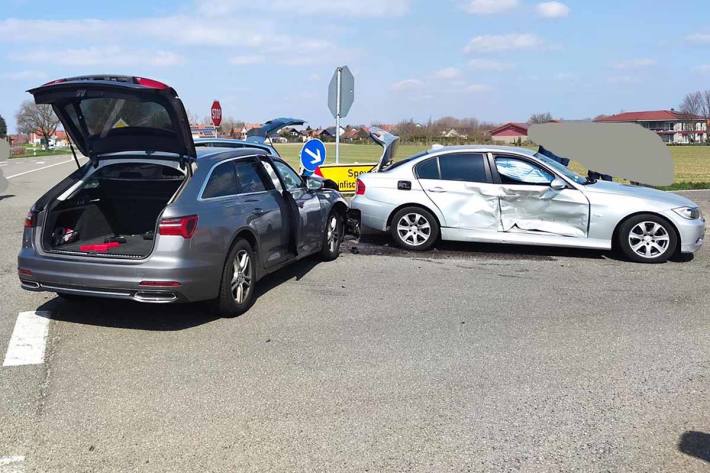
(312, 154)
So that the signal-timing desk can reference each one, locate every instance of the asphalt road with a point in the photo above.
(467, 358)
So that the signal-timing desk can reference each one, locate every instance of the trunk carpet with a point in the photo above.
(135, 245)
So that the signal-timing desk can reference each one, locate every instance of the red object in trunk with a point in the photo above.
(100, 247)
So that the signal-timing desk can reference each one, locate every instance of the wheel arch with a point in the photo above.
(246, 233)
(412, 204)
(615, 234)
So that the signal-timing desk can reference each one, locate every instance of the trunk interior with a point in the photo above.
(115, 212)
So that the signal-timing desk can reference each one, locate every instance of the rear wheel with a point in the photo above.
(647, 238)
(236, 293)
(332, 237)
(414, 228)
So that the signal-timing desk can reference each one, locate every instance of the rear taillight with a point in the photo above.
(31, 219)
(181, 226)
(159, 284)
(359, 187)
(150, 83)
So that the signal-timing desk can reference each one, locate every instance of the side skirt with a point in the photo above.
(519, 238)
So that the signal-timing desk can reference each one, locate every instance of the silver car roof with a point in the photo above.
(481, 149)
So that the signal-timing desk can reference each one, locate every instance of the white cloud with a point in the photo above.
(504, 42)
(552, 9)
(448, 73)
(703, 69)
(489, 65)
(24, 75)
(247, 59)
(407, 85)
(639, 63)
(489, 7)
(477, 88)
(698, 38)
(100, 56)
(340, 8)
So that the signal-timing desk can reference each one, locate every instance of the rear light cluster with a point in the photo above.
(159, 284)
(180, 226)
(359, 187)
(31, 219)
(150, 83)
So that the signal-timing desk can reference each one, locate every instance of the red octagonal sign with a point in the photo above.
(216, 113)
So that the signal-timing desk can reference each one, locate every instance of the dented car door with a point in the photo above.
(460, 185)
(528, 203)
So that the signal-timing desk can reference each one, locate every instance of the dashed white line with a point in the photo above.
(13, 464)
(39, 169)
(29, 339)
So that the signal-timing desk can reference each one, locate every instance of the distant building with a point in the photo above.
(453, 133)
(57, 140)
(510, 133)
(673, 127)
(203, 131)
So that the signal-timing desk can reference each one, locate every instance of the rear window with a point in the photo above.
(428, 169)
(468, 167)
(103, 115)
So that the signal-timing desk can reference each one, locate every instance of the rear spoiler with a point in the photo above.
(389, 143)
(259, 135)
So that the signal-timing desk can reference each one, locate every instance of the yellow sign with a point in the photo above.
(344, 174)
(120, 123)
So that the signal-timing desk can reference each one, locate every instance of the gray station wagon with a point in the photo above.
(151, 219)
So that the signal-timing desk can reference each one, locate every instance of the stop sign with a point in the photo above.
(216, 113)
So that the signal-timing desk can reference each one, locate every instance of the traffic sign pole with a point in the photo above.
(337, 117)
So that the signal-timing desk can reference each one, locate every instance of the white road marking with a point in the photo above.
(13, 464)
(29, 339)
(39, 169)
(3, 164)
(39, 162)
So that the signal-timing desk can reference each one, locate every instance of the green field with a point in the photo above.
(692, 163)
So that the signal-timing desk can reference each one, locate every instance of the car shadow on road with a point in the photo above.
(129, 315)
(696, 444)
(158, 317)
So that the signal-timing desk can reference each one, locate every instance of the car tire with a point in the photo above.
(332, 236)
(237, 291)
(414, 228)
(647, 238)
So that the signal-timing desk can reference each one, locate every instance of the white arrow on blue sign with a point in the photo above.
(312, 154)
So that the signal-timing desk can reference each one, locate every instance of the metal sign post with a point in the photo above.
(341, 94)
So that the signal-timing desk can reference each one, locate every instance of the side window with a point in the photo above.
(249, 178)
(272, 175)
(221, 182)
(518, 171)
(428, 169)
(291, 179)
(468, 167)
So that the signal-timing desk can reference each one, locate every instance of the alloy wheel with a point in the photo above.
(414, 229)
(649, 239)
(333, 237)
(241, 277)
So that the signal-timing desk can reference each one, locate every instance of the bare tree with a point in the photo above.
(540, 118)
(693, 104)
(40, 119)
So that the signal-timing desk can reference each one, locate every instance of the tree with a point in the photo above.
(3, 128)
(540, 118)
(697, 103)
(40, 119)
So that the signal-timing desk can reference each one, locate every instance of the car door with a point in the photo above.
(237, 192)
(528, 203)
(460, 185)
(308, 214)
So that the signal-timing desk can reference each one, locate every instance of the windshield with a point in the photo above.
(565, 171)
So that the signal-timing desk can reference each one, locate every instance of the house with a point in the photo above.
(673, 127)
(57, 140)
(203, 131)
(453, 133)
(329, 133)
(510, 133)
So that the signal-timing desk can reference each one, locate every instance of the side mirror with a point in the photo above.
(313, 183)
(558, 184)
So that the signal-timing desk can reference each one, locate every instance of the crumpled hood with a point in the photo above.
(626, 190)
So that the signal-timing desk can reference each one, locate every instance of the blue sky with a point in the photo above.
(496, 60)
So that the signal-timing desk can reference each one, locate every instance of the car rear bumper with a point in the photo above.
(372, 214)
(189, 280)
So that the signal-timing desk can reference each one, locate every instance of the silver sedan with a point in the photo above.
(513, 195)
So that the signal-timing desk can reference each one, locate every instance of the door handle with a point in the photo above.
(259, 212)
(436, 189)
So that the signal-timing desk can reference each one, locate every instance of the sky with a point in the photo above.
(495, 60)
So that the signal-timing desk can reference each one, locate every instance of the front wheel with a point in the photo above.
(236, 293)
(332, 237)
(414, 228)
(647, 238)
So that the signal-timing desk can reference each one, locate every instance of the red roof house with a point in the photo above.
(510, 133)
(672, 126)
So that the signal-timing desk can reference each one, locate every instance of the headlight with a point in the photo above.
(691, 213)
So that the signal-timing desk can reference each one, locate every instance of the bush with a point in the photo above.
(17, 151)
